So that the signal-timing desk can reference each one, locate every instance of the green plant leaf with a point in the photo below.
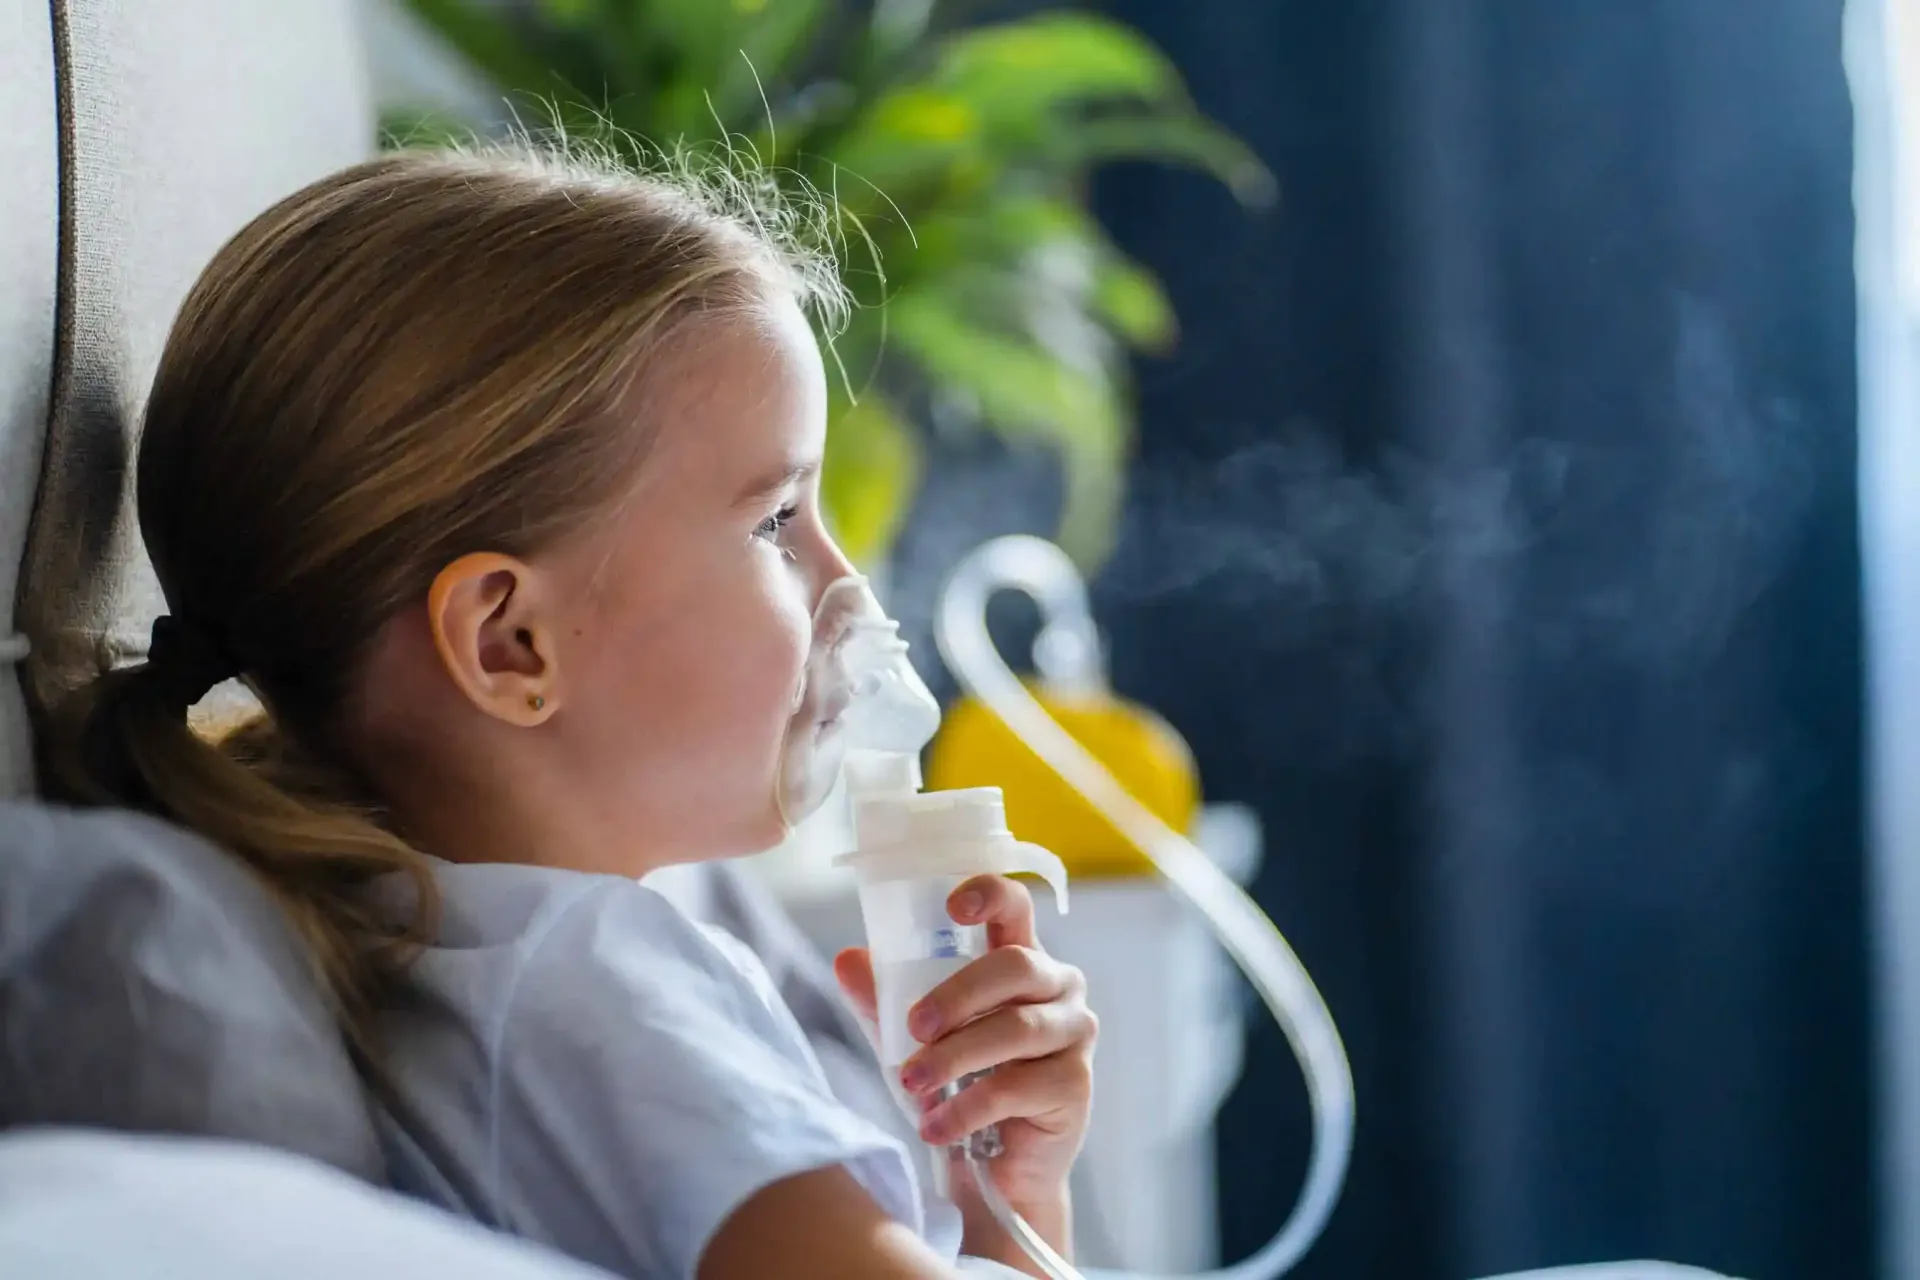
(1184, 139)
(698, 31)
(1017, 70)
(724, 53)
(764, 56)
(1130, 300)
(1024, 392)
(1017, 385)
(1093, 477)
(929, 150)
(578, 13)
(1014, 229)
(867, 481)
(907, 136)
(1010, 85)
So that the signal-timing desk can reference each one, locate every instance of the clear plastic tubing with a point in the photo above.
(1043, 571)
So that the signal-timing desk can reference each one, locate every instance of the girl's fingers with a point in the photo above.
(1008, 975)
(854, 968)
(1017, 1033)
(1050, 1094)
(1003, 905)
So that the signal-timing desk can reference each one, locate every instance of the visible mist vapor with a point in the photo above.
(1651, 548)
(1645, 548)
(1294, 524)
(1726, 504)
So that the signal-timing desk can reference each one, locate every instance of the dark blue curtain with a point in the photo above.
(1493, 532)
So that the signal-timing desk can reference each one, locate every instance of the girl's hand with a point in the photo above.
(1018, 1012)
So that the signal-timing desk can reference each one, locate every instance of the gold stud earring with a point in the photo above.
(535, 701)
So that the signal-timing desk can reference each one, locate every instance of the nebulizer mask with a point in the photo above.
(862, 719)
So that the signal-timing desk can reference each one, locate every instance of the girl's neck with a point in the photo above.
(483, 816)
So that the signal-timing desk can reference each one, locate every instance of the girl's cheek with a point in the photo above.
(796, 622)
(783, 658)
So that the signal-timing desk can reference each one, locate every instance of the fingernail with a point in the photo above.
(915, 1077)
(936, 1128)
(967, 905)
(924, 1021)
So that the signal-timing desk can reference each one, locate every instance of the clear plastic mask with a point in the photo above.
(859, 692)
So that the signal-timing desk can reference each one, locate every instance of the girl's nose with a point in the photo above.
(829, 564)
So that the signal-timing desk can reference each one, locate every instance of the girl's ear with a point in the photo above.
(484, 610)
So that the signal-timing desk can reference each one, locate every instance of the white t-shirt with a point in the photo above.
(584, 1066)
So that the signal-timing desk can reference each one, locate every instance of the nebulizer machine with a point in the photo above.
(864, 718)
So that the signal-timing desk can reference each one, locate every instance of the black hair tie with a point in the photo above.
(189, 660)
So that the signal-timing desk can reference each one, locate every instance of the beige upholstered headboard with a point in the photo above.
(140, 135)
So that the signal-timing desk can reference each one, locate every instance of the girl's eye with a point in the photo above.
(771, 527)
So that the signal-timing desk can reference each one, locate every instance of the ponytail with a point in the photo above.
(298, 824)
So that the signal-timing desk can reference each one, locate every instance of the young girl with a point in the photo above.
(497, 480)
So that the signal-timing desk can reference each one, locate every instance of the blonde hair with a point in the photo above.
(415, 358)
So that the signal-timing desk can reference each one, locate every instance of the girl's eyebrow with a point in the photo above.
(767, 486)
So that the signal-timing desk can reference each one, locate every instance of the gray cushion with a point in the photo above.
(181, 121)
(29, 270)
(147, 982)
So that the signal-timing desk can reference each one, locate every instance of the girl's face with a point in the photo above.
(681, 627)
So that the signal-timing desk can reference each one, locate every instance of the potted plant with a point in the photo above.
(954, 160)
